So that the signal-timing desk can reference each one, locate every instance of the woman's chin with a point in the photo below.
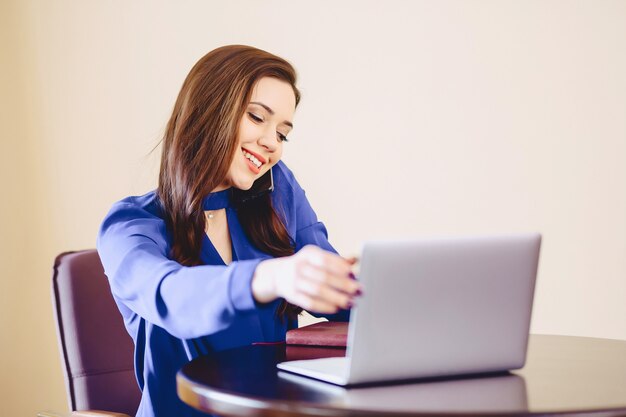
(244, 185)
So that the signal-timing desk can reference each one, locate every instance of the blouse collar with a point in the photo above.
(217, 200)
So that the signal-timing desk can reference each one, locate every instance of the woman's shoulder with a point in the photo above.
(284, 178)
(288, 195)
(147, 203)
(134, 214)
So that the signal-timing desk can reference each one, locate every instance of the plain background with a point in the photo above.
(417, 118)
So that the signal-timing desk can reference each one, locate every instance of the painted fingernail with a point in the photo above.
(358, 292)
(351, 275)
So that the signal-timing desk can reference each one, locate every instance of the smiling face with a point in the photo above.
(262, 130)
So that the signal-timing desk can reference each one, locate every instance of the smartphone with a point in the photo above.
(263, 185)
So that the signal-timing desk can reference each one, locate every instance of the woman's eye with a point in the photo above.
(255, 117)
(282, 137)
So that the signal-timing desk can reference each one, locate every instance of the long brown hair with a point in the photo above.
(199, 144)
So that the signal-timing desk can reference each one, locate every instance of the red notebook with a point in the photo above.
(325, 333)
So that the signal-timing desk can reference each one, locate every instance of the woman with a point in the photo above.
(201, 264)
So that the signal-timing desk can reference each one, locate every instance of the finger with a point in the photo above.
(324, 293)
(352, 260)
(314, 304)
(328, 260)
(323, 277)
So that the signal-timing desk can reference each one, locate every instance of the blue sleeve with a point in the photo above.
(309, 230)
(187, 302)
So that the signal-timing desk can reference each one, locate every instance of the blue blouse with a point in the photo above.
(175, 313)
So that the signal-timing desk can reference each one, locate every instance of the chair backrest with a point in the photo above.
(96, 349)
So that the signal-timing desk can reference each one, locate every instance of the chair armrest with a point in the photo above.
(84, 413)
(52, 414)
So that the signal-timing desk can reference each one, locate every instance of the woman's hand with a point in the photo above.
(314, 279)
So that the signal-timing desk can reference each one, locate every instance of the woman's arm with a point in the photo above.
(316, 277)
(313, 232)
(187, 302)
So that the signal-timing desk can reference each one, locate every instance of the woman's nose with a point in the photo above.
(269, 141)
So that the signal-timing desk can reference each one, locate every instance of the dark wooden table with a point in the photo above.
(563, 375)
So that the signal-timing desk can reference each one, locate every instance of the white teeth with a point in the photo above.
(252, 158)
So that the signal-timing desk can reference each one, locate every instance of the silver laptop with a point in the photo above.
(436, 307)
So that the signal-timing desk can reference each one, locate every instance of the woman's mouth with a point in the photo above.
(254, 161)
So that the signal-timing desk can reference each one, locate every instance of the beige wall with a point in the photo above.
(418, 118)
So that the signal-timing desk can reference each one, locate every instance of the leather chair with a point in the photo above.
(96, 350)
